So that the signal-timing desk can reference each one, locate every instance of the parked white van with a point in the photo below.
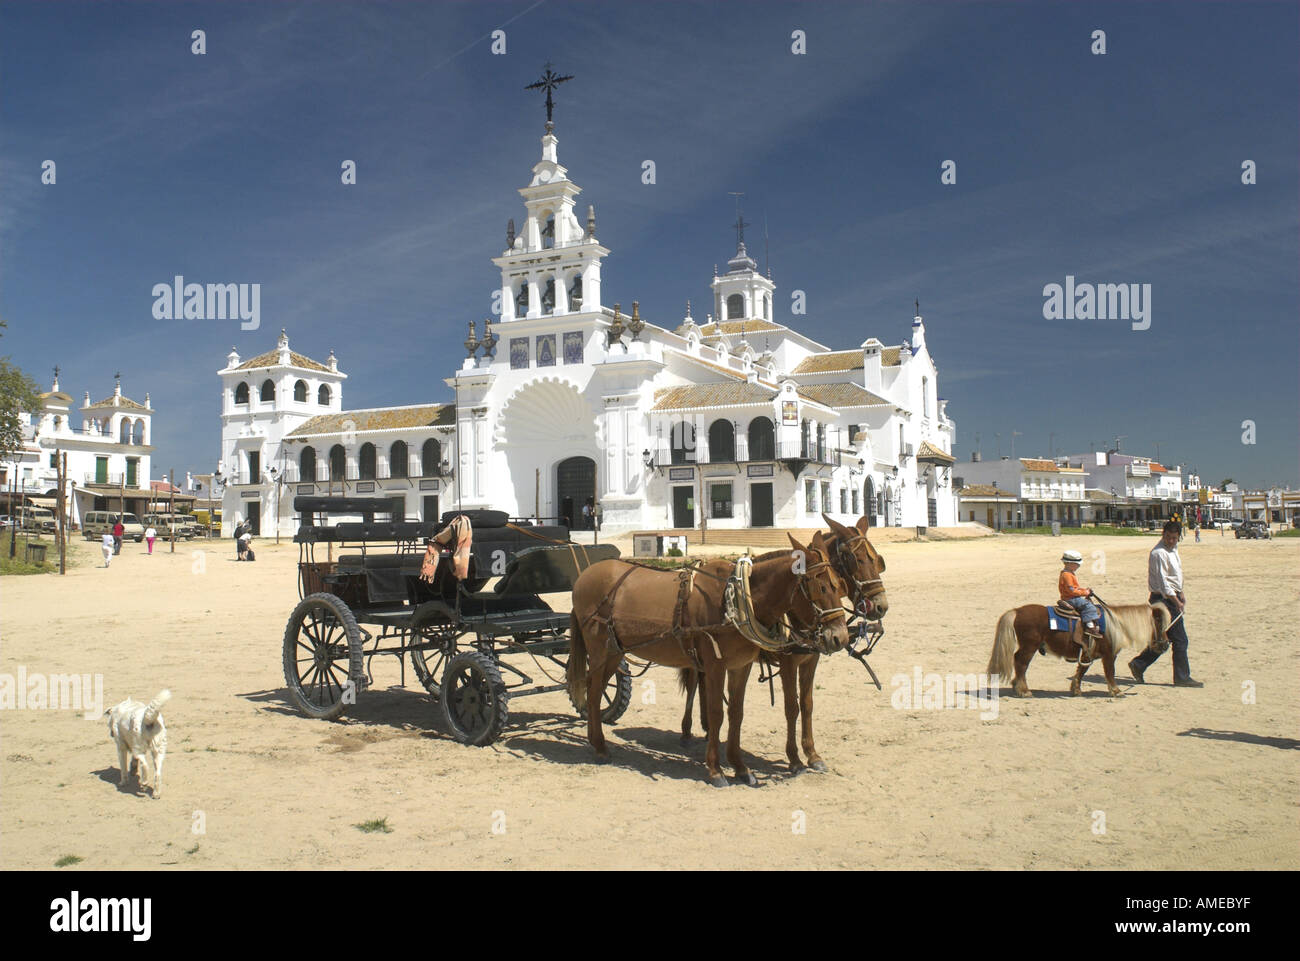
(98, 523)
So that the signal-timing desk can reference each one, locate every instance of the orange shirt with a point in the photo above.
(1069, 586)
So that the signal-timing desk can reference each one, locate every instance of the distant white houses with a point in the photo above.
(108, 448)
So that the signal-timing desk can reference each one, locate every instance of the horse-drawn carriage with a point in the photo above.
(377, 593)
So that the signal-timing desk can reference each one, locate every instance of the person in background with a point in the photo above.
(239, 532)
(245, 539)
(118, 531)
(149, 536)
(106, 542)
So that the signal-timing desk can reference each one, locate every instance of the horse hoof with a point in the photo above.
(719, 780)
(748, 778)
(686, 739)
(819, 766)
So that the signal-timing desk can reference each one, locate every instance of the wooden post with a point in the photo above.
(537, 495)
(171, 507)
(595, 502)
(62, 465)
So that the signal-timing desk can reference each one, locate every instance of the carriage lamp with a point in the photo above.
(446, 468)
(647, 458)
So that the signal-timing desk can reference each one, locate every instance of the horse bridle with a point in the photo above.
(823, 614)
(862, 591)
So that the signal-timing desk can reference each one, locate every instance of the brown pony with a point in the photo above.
(860, 565)
(1023, 630)
(679, 619)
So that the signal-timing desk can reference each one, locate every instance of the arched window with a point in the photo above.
(548, 297)
(575, 292)
(397, 462)
(323, 395)
(431, 458)
(367, 461)
(735, 307)
(338, 463)
(124, 431)
(722, 441)
(300, 392)
(137, 431)
(762, 439)
(268, 390)
(804, 439)
(548, 232)
(307, 464)
(241, 394)
(521, 301)
(683, 442)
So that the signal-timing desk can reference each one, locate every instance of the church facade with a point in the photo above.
(568, 402)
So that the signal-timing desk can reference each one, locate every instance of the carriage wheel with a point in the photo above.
(322, 654)
(616, 697)
(474, 698)
(430, 663)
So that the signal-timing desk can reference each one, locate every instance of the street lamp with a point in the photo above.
(997, 505)
(1112, 508)
(647, 458)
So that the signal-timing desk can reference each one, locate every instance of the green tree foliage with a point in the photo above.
(17, 394)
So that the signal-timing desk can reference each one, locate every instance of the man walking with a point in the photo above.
(1165, 579)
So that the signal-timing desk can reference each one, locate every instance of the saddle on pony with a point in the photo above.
(1064, 618)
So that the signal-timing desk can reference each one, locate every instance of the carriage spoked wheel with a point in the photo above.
(322, 653)
(430, 663)
(616, 697)
(473, 698)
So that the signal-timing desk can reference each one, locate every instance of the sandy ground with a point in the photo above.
(1159, 778)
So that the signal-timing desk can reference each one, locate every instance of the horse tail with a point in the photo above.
(576, 670)
(1003, 659)
(686, 680)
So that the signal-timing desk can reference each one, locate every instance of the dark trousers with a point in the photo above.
(1177, 640)
(117, 544)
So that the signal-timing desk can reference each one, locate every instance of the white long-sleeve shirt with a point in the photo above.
(1165, 571)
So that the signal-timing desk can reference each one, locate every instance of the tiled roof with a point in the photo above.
(1159, 468)
(272, 358)
(931, 453)
(840, 395)
(738, 327)
(983, 490)
(712, 395)
(832, 360)
(126, 402)
(889, 357)
(1029, 463)
(389, 418)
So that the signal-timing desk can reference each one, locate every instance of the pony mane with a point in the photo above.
(1130, 625)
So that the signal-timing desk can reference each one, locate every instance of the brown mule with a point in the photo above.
(679, 620)
(1023, 630)
(859, 565)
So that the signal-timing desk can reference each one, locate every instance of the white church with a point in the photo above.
(737, 421)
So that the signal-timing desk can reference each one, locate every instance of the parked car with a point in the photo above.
(1253, 530)
(99, 523)
(170, 526)
(6, 521)
(35, 519)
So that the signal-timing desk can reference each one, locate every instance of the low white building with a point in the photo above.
(108, 452)
(738, 421)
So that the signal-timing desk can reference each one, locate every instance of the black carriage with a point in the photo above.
(366, 598)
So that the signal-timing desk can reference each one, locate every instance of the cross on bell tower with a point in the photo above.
(550, 80)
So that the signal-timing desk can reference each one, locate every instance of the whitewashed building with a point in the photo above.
(737, 421)
(108, 447)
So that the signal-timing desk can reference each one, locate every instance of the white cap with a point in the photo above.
(1072, 557)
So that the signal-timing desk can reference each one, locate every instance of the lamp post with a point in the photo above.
(997, 505)
(1112, 508)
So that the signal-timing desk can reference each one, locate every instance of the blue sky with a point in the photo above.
(1122, 168)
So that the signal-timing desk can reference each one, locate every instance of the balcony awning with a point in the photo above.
(50, 502)
(929, 454)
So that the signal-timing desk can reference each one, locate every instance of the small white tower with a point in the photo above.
(742, 293)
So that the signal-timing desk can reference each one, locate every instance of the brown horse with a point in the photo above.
(860, 565)
(681, 619)
(1023, 630)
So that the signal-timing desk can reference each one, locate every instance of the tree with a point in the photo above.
(17, 395)
(1223, 484)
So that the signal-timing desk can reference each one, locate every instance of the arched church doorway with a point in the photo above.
(869, 502)
(575, 485)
